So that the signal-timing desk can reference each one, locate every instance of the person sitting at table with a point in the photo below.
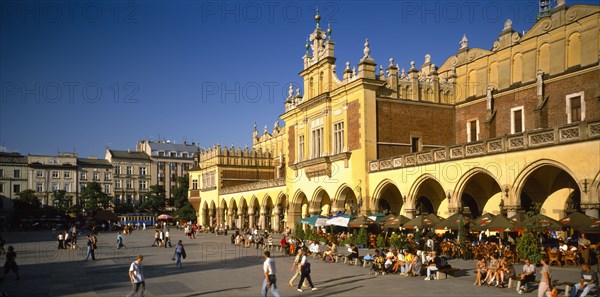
(408, 261)
(492, 270)
(400, 264)
(314, 248)
(562, 247)
(416, 265)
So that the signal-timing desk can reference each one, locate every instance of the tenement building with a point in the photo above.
(131, 175)
(504, 129)
(168, 162)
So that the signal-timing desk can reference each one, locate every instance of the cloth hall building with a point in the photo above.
(499, 130)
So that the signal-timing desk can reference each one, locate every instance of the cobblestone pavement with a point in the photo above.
(214, 267)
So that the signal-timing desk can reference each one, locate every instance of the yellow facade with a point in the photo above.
(525, 132)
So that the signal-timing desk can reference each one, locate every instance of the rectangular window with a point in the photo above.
(67, 174)
(142, 184)
(128, 184)
(54, 173)
(317, 142)
(106, 188)
(1, 172)
(173, 165)
(83, 175)
(106, 176)
(173, 154)
(473, 131)
(414, 144)
(338, 138)
(301, 148)
(39, 187)
(517, 123)
(16, 189)
(160, 165)
(39, 174)
(161, 153)
(117, 183)
(17, 173)
(55, 187)
(95, 176)
(117, 169)
(129, 170)
(142, 170)
(67, 187)
(194, 184)
(129, 198)
(1, 187)
(575, 107)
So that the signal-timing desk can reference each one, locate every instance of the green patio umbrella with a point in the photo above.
(543, 222)
(453, 222)
(577, 220)
(361, 222)
(482, 221)
(423, 221)
(594, 227)
(377, 217)
(315, 220)
(394, 222)
(499, 223)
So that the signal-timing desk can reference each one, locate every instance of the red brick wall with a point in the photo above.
(354, 125)
(398, 120)
(552, 115)
(587, 82)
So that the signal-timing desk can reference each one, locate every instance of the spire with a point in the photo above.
(307, 46)
(367, 50)
(464, 42)
(329, 31)
(317, 17)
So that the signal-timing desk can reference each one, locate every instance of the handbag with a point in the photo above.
(305, 268)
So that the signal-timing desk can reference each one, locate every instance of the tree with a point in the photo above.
(93, 199)
(185, 210)
(528, 244)
(362, 237)
(62, 202)
(155, 199)
(28, 199)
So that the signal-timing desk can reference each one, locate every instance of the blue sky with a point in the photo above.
(80, 76)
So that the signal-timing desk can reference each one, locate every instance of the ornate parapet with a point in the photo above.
(263, 184)
(580, 131)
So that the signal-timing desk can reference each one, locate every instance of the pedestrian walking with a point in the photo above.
(305, 271)
(61, 240)
(270, 281)
(89, 245)
(119, 240)
(545, 287)
(11, 263)
(168, 238)
(296, 265)
(136, 275)
(179, 253)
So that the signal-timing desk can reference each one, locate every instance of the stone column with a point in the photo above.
(251, 218)
(512, 210)
(410, 213)
(262, 219)
(275, 219)
(240, 221)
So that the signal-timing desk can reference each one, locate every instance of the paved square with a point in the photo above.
(214, 267)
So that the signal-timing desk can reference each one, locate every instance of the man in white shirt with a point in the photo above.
(528, 275)
(270, 281)
(136, 275)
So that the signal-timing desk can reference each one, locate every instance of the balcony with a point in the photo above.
(580, 131)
